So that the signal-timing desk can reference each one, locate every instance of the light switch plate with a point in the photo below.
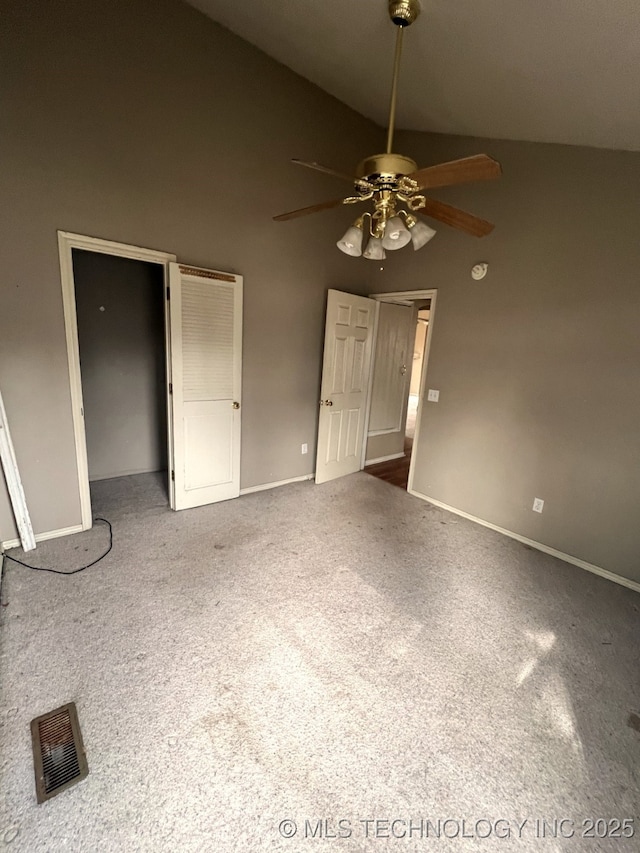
(433, 395)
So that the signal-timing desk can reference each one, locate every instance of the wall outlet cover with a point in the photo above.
(538, 504)
(433, 395)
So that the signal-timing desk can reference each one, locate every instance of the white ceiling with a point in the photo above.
(539, 70)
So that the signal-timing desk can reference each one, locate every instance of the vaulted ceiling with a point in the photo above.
(544, 71)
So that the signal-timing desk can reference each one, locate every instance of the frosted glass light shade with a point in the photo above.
(395, 234)
(351, 243)
(374, 250)
(420, 233)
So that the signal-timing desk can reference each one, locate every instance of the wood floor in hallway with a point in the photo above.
(395, 471)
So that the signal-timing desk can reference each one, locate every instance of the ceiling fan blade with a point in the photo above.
(314, 208)
(456, 218)
(320, 168)
(477, 168)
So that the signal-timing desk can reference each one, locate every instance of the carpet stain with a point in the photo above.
(226, 729)
(634, 722)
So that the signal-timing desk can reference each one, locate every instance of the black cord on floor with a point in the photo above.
(57, 571)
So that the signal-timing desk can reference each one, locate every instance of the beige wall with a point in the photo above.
(538, 365)
(146, 123)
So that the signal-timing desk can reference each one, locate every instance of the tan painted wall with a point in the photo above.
(538, 365)
(146, 123)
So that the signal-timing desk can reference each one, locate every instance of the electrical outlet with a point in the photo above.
(304, 449)
(538, 504)
(433, 395)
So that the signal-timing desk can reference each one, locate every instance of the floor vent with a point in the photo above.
(58, 753)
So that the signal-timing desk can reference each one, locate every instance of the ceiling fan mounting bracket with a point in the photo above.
(403, 12)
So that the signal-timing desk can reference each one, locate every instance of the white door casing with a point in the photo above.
(67, 242)
(205, 309)
(393, 361)
(345, 376)
(9, 465)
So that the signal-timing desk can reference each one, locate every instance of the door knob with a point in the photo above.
(403, 369)
(328, 402)
(236, 405)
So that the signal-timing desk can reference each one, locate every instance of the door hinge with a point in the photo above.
(173, 476)
(171, 387)
(168, 292)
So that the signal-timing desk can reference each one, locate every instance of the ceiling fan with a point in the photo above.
(390, 180)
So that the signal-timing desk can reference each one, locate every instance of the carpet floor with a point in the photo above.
(340, 667)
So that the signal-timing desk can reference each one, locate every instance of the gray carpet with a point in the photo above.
(343, 652)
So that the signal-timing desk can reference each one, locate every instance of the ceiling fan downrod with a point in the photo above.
(402, 13)
(395, 184)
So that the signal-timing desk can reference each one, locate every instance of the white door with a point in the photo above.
(205, 330)
(392, 369)
(345, 377)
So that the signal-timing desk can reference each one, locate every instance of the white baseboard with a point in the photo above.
(384, 458)
(264, 486)
(42, 537)
(568, 558)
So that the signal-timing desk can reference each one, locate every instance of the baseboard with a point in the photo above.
(133, 472)
(384, 458)
(539, 546)
(42, 537)
(264, 486)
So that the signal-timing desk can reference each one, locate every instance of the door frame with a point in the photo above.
(403, 297)
(68, 241)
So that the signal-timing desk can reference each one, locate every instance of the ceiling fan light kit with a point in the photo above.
(396, 235)
(375, 250)
(351, 243)
(420, 232)
(391, 180)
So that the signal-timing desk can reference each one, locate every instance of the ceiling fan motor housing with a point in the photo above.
(391, 165)
(403, 12)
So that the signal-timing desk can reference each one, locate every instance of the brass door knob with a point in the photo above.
(328, 402)
(236, 405)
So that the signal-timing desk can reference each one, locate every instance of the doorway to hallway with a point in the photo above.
(401, 349)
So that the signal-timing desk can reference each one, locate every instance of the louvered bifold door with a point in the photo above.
(205, 309)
